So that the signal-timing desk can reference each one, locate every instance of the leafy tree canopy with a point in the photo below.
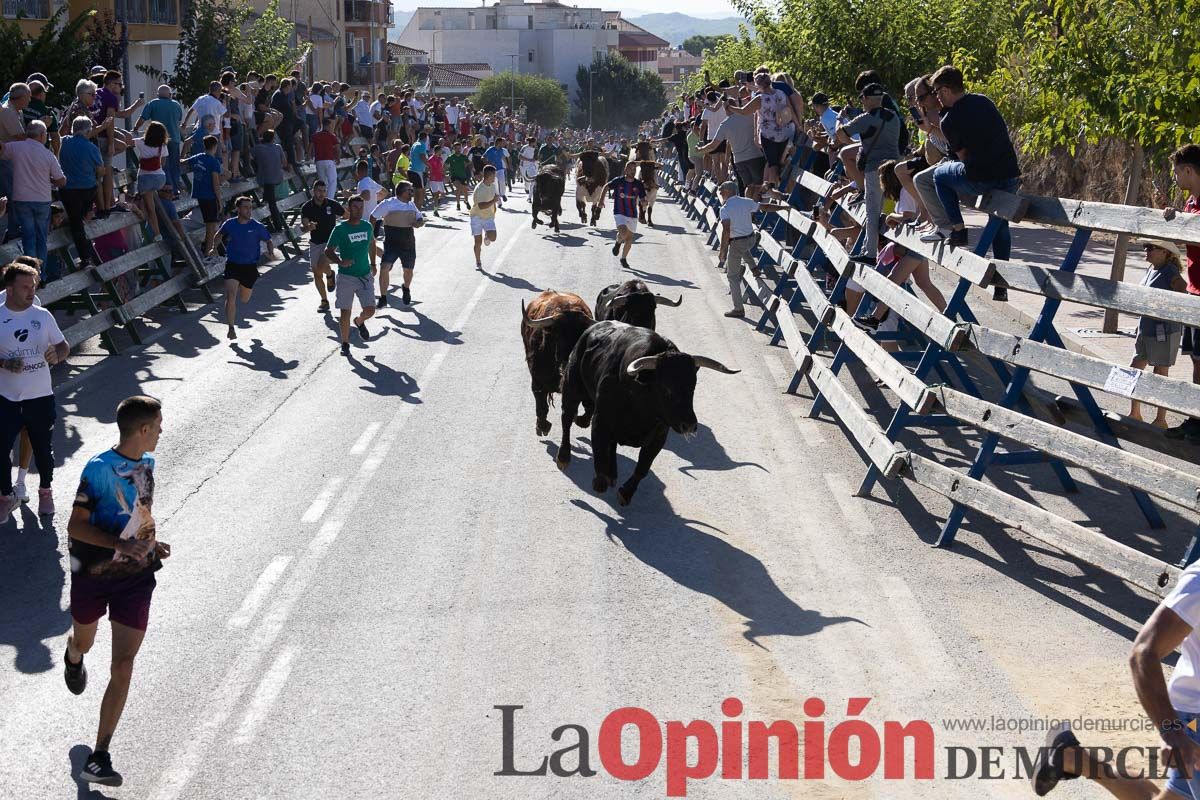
(544, 99)
(624, 94)
(696, 45)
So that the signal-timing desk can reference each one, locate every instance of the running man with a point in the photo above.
(437, 177)
(529, 164)
(497, 157)
(242, 236)
(319, 215)
(458, 167)
(483, 211)
(400, 216)
(351, 247)
(114, 554)
(627, 192)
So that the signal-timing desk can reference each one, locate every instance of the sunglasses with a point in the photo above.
(921, 97)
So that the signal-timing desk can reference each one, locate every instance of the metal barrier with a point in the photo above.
(793, 246)
(160, 271)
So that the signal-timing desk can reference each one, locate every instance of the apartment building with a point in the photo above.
(676, 65)
(347, 38)
(637, 45)
(545, 38)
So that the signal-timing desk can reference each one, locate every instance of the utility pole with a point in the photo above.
(512, 84)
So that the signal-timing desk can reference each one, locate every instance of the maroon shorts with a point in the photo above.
(127, 600)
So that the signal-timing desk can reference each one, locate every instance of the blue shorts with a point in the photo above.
(1185, 787)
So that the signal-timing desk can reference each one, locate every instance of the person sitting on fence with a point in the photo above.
(82, 165)
(923, 105)
(270, 162)
(151, 152)
(904, 204)
(879, 131)
(903, 264)
(112, 141)
(978, 136)
(1186, 165)
(35, 171)
(1157, 342)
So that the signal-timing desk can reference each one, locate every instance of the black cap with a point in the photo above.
(873, 90)
(40, 78)
(820, 99)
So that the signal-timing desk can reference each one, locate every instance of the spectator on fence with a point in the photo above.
(12, 128)
(1185, 163)
(978, 136)
(879, 131)
(37, 109)
(266, 117)
(281, 101)
(82, 165)
(903, 202)
(151, 152)
(209, 109)
(234, 102)
(711, 117)
(776, 122)
(206, 189)
(35, 172)
(749, 163)
(166, 110)
(269, 160)
(1157, 342)
(924, 107)
(112, 140)
(26, 393)
(738, 235)
(325, 151)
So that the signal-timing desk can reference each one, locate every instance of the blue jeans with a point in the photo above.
(172, 165)
(34, 219)
(950, 181)
(1185, 787)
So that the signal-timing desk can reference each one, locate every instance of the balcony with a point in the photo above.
(360, 74)
(33, 9)
(141, 12)
(367, 12)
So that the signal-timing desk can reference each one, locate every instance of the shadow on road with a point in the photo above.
(385, 381)
(510, 281)
(426, 329)
(261, 359)
(707, 564)
(661, 280)
(704, 453)
(31, 584)
(79, 756)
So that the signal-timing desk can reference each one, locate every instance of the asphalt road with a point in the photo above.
(371, 554)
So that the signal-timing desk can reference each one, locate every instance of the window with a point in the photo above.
(33, 9)
(530, 56)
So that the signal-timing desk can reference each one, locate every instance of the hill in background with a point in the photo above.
(676, 27)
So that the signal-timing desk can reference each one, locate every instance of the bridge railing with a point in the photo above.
(115, 293)
(928, 374)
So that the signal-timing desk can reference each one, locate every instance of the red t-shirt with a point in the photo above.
(436, 169)
(1192, 206)
(325, 146)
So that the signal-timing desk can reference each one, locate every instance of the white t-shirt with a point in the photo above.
(738, 211)
(396, 204)
(1184, 600)
(27, 335)
(714, 117)
(208, 106)
(144, 152)
(529, 165)
(317, 101)
(362, 112)
(368, 185)
(907, 204)
(452, 113)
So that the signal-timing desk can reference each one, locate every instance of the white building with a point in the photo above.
(544, 38)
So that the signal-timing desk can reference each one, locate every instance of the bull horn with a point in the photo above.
(666, 301)
(712, 363)
(643, 364)
(536, 324)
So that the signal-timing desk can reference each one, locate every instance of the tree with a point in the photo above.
(625, 95)
(401, 74)
(696, 45)
(62, 52)
(544, 99)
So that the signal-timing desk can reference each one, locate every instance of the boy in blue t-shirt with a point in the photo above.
(206, 188)
(242, 235)
(497, 156)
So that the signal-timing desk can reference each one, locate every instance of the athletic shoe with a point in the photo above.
(9, 502)
(958, 238)
(99, 769)
(735, 314)
(868, 324)
(1189, 430)
(45, 502)
(1048, 768)
(935, 235)
(21, 492)
(74, 674)
(383, 301)
(232, 333)
(616, 247)
(345, 348)
(323, 308)
(624, 263)
(407, 295)
(362, 330)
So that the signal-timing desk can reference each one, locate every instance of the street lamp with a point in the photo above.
(591, 94)
(512, 93)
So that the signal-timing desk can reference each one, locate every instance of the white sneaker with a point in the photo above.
(935, 235)
(21, 492)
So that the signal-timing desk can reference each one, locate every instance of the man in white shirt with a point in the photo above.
(452, 114)
(400, 216)
(370, 191)
(737, 240)
(365, 120)
(30, 343)
(209, 104)
(711, 117)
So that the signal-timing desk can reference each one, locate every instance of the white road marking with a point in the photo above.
(244, 670)
(842, 492)
(259, 592)
(935, 663)
(360, 446)
(811, 430)
(319, 505)
(264, 696)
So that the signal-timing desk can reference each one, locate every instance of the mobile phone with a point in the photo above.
(916, 114)
(141, 95)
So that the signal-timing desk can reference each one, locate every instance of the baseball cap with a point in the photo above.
(873, 90)
(40, 78)
(98, 68)
(820, 99)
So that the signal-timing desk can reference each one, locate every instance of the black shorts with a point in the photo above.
(259, 118)
(774, 151)
(245, 274)
(751, 172)
(366, 131)
(407, 258)
(210, 210)
(463, 182)
(1191, 342)
(417, 179)
(723, 147)
(917, 163)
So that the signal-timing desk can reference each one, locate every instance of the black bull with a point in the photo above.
(631, 302)
(648, 389)
(592, 174)
(548, 188)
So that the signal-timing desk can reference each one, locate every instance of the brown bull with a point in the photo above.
(590, 179)
(550, 327)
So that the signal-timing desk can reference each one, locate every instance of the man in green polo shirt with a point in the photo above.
(458, 168)
(351, 248)
(37, 109)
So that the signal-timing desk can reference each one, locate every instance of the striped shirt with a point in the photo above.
(626, 194)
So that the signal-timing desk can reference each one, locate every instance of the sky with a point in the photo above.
(696, 8)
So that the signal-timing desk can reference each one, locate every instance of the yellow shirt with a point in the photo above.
(483, 193)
